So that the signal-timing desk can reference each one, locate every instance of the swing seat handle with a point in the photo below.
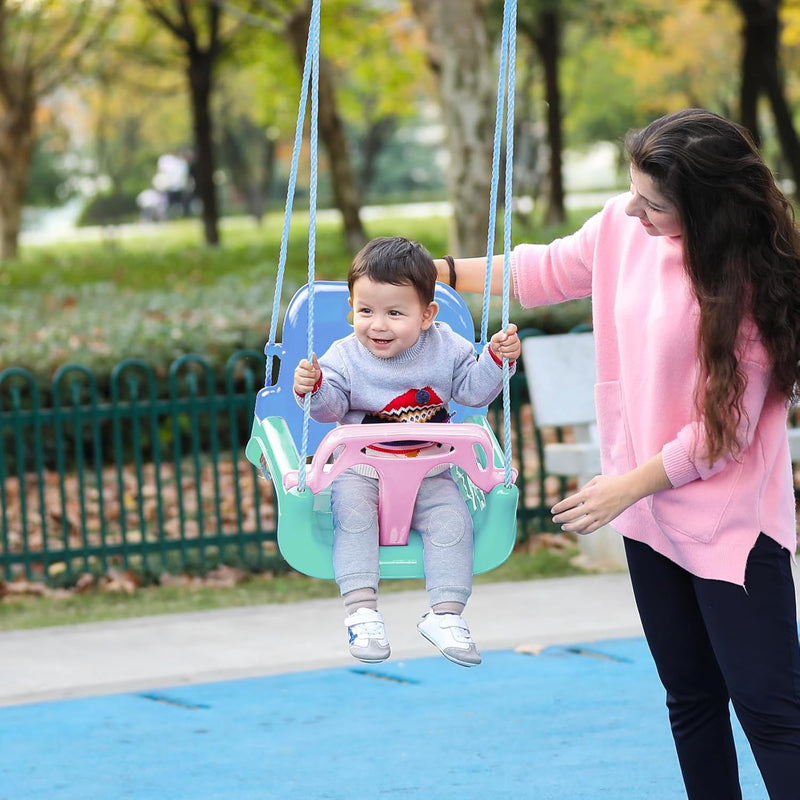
(465, 445)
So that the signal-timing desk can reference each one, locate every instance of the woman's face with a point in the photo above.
(658, 216)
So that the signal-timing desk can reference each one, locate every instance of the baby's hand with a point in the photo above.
(506, 344)
(306, 376)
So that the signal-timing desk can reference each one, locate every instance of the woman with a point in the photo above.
(695, 284)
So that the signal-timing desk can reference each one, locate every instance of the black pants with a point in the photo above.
(715, 642)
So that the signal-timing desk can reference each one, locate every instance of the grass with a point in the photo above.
(172, 254)
(16, 613)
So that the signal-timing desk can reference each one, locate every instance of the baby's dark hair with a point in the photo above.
(395, 260)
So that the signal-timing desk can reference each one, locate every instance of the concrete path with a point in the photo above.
(101, 658)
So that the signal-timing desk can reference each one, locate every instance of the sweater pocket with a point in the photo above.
(615, 445)
(696, 509)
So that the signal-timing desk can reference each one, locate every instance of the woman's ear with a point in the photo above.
(429, 314)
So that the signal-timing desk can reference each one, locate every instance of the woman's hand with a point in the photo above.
(306, 376)
(596, 504)
(605, 497)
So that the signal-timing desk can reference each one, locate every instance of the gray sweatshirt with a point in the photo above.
(413, 386)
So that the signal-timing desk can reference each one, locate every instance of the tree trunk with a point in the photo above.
(548, 44)
(761, 73)
(458, 53)
(331, 131)
(16, 150)
(750, 86)
(373, 144)
(199, 75)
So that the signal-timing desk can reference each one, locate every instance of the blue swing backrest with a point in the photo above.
(331, 314)
(305, 531)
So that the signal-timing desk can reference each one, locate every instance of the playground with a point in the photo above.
(266, 702)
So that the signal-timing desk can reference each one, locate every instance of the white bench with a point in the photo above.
(560, 373)
(794, 444)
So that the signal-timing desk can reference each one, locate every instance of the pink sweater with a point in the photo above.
(645, 323)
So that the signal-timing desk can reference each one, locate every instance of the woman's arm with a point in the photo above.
(605, 497)
(471, 273)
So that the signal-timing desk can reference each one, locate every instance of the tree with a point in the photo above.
(383, 87)
(41, 45)
(290, 20)
(542, 23)
(331, 128)
(131, 105)
(458, 53)
(197, 26)
(761, 74)
(628, 61)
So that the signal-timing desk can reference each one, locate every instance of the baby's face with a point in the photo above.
(388, 319)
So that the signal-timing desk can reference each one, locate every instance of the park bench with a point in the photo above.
(560, 373)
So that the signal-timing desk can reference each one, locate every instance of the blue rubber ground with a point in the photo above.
(573, 723)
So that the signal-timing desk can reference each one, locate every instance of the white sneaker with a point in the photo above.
(367, 635)
(450, 634)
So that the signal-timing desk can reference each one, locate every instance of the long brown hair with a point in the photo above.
(741, 252)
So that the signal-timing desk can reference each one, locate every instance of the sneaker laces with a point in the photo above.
(460, 629)
(369, 629)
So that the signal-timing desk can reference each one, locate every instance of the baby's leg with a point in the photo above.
(354, 504)
(443, 521)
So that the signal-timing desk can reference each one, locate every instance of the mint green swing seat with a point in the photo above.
(305, 527)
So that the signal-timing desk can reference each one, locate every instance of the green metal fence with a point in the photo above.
(147, 471)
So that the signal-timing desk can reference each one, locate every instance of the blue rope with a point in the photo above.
(312, 53)
(509, 36)
(287, 217)
(311, 76)
(505, 107)
(498, 127)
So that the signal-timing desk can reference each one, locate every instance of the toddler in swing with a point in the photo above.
(401, 365)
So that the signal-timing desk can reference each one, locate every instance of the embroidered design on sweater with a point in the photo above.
(415, 405)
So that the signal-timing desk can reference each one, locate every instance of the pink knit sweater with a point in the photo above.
(645, 323)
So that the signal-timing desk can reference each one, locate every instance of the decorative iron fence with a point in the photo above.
(147, 471)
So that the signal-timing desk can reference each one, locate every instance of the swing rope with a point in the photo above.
(505, 101)
(505, 97)
(312, 52)
(310, 77)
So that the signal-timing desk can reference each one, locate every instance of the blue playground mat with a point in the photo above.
(583, 722)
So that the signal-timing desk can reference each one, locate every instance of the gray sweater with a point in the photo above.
(414, 386)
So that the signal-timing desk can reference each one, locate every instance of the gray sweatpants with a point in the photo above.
(440, 516)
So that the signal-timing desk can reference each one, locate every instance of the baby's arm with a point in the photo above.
(477, 382)
(306, 376)
(327, 386)
(506, 344)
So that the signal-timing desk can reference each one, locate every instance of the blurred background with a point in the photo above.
(145, 149)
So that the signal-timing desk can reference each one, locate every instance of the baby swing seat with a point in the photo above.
(305, 528)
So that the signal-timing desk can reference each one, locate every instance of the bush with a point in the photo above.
(109, 209)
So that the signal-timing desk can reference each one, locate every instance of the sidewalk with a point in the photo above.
(175, 649)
